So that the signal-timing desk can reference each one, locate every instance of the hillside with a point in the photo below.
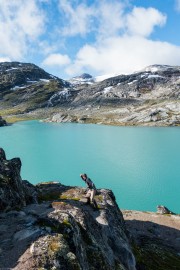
(148, 97)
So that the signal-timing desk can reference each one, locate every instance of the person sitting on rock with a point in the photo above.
(91, 190)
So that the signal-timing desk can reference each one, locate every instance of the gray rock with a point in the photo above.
(14, 193)
(27, 233)
(163, 210)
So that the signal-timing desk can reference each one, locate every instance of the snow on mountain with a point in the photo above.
(104, 77)
(156, 68)
(82, 79)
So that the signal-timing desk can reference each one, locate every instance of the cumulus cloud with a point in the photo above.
(124, 55)
(78, 17)
(129, 47)
(21, 23)
(5, 59)
(56, 60)
(142, 21)
(103, 17)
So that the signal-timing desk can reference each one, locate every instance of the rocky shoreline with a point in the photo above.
(150, 97)
(49, 226)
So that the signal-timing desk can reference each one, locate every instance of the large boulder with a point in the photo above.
(14, 193)
(163, 210)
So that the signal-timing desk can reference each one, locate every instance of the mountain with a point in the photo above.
(89, 79)
(82, 79)
(27, 86)
(147, 97)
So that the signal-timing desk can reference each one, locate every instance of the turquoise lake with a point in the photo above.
(140, 164)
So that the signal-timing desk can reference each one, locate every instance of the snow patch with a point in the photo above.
(31, 81)
(107, 89)
(155, 76)
(64, 94)
(44, 80)
(11, 69)
(76, 81)
(132, 82)
(17, 87)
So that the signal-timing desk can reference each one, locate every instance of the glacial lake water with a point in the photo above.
(140, 164)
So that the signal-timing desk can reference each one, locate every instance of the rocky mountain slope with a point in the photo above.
(25, 87)
(148, 97)
(49, 226)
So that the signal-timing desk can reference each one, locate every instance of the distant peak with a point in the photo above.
(157, 67)
(83, 76)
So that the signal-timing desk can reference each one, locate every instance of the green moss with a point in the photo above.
(96, 259)
(99, 198)
(66, 223)
(63, 197)
(68, 197)
(151, 255)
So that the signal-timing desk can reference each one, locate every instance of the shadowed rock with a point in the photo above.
(2, 122)
(14, 193)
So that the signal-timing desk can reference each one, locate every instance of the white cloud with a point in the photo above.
(56, 60)
(21, 23)
(129, 48)
(124, 55)
(110, 18)
(142, 21)
(177, 3)
(78, 18)
(5, 59)
(103, 17)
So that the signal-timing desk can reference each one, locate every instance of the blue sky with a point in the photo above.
(67, 38)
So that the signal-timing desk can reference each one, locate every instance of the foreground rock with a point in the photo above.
(2, 122)
(155, 239)
(14, 193)
(60, 231)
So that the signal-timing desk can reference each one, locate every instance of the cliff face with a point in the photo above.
(14, 193)
(60, 231)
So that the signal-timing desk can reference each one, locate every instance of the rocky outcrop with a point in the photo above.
(60, 231)
(163, 210)
(2, 122)
(14, 193)
(14, 75)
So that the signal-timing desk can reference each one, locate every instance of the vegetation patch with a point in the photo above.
(151, 254)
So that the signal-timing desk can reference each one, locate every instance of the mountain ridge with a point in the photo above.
(147, 97)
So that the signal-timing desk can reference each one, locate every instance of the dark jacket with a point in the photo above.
(90, 183)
